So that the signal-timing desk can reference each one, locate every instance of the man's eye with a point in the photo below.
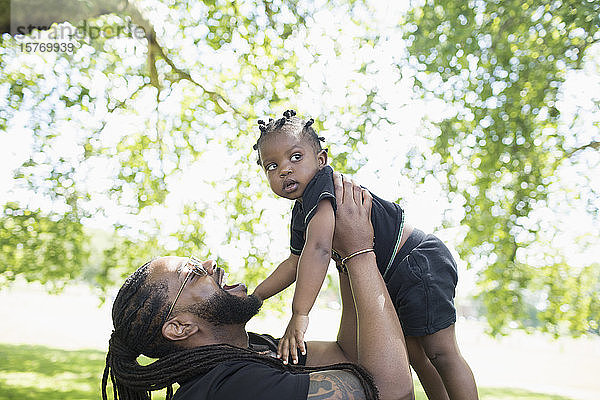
(271, 167)
(296, 156)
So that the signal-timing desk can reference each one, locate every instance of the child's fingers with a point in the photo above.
(285, 350)
(294, 350)
(280, 352)
(302, 347)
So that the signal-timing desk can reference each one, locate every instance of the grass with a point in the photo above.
(43, 373)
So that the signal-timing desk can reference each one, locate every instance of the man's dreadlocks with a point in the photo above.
(138, 313)
(290, 123)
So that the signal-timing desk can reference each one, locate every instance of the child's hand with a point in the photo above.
(293, 339)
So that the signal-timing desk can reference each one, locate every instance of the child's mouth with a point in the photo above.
(289, 186)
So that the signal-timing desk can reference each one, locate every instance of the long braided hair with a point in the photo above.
(289, 122)
(138, 312)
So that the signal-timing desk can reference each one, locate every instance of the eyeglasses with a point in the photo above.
(196, 268)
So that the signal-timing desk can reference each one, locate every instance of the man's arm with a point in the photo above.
(381, 346)
(334, 385)
(283, 276)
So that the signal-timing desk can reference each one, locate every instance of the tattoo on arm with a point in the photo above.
(334, 385)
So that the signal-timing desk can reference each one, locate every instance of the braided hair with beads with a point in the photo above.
(138, 313)
(288, 123)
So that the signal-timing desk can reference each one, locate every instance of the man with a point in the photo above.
(181, 312)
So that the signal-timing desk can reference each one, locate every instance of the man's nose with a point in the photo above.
(209, 266)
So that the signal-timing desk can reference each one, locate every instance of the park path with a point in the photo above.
(74, 320)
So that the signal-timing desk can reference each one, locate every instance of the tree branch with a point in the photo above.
(74, 11)
(269, 13)
(587, 44)
(592, 145)
(184, 75)
(119, 104)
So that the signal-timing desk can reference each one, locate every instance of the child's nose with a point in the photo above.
(286, 170)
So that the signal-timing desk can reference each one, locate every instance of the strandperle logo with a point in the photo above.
(47, 20)
(78, 32)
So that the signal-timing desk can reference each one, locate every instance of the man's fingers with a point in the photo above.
(339, 187)
(367, 200)
(357, 193)
(347, 187)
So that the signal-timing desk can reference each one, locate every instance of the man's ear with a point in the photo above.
(322, 158)
(179, 328)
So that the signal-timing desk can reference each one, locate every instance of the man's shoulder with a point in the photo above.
(205, 384)
(247, 378)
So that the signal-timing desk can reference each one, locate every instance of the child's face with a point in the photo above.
(290, 161)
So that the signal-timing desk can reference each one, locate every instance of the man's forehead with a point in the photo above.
(164, 266)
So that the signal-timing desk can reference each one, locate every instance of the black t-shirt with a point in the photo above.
(387, 218)
(244, 379)
(247, 379)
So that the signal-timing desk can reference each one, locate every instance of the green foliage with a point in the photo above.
(45, 248)
(116, 125)
(502, 65)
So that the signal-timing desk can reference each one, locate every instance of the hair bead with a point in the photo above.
(289, 113)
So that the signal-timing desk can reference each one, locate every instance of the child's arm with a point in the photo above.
(312, 268)
(283, 276)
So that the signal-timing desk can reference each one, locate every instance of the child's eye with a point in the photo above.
(270, 167)
(296, 156)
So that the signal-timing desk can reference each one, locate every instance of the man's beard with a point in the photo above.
(223, 308)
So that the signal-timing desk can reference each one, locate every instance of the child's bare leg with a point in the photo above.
(441, 348)
(430, 379)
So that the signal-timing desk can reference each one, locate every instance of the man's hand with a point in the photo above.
(353, 228)
(293, 339)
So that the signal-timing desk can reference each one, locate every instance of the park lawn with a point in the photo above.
(43, 373)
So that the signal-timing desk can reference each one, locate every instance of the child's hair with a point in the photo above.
(291, 123)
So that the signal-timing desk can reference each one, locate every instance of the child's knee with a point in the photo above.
(438, 359)
(442, 357)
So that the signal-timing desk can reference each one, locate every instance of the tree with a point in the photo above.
(116, 123)
(184, 78)
(502, 65)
